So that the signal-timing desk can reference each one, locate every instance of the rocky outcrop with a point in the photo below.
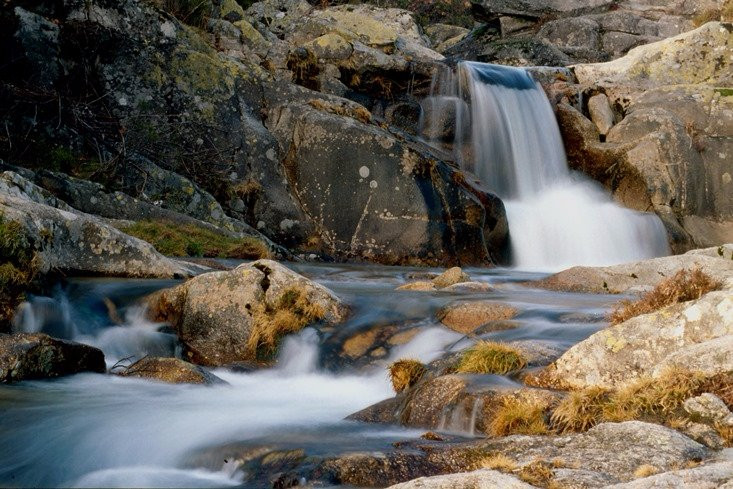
(479, 479)
(170, 370)
(695, 335)
(241, 315)
(74, 242)
(669, 147)
(215, 126)
(25, 356)
(641, 276)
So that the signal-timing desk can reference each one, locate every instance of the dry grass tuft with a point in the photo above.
(497, 461)
(538, 473)
(683, 286)
(580, 410)
(705, 16)
(292, 313)
(645, 470)
(519, 416)
(488, 357)
(405, 373)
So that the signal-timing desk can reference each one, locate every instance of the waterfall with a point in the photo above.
(504, 131)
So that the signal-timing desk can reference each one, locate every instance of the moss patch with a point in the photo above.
(18, 268)
(174, 239)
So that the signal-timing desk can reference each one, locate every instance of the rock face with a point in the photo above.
(479, 479)
(695, 335)
(261, 135)
(216, 314)
(712, 476)
(670, 148)
(170, 370)
(641, 276)
(79, 243)
(25, 356)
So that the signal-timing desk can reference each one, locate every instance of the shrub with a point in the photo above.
(192, 12)
(683, 286)
(519, 416)
(497, 461)
(405, 373)
(292, 312)
(174, 239)
(488, 357)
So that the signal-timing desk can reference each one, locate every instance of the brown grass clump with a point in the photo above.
(497, 461)
(292, 313)
(538, 473)
(705, 16)
(726, 13)
(405, 373)
(645, 470)
(683, 286)
(488, 357)
(174, 239)
(519, 416)
(580, 410)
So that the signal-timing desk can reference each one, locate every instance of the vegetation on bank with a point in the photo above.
(405, 373)
(18, 268)
(488, 357)
(173, 239)
(683, 286)
(292, 312)
(723, 14)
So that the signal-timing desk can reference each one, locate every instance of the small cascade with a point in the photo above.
(299, 353)
(505, 132)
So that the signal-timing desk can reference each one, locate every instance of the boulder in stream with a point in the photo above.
(170, 370)
(242, 314)
(27, 356)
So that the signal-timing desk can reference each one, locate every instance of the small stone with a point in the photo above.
(421, 286)
(450, 277)
(709, 407)
(601, 113)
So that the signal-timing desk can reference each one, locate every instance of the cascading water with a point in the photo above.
(507, 135)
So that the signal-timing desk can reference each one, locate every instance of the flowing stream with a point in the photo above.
(507, 135)
(105, 430)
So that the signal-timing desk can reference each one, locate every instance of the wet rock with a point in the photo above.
(465, 316)
(650, 344)
(418, 286)
(440, 116)
(27, 356)
(217, 314)
(377, 469)
(709, 476)
(404, 206)
(709, 407)
(170, 370)
(450, 277)
(83, 244)
(480, 479)
(468, 287)
(643, 275)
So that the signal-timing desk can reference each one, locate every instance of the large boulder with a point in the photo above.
(695, 335)
(26, 356)
(227, 317)
(405, 205)
(74, 242)
(641, 276)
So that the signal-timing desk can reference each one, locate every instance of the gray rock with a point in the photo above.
(215, 314)
(170, 370)
(486, 9)
(74, 242)
(709, 407)
(26, 356)
(709, 476)
(480, 479)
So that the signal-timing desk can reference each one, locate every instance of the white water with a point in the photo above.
(511, 141)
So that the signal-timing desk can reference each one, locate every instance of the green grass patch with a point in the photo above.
(173, 239)
(18, 268)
